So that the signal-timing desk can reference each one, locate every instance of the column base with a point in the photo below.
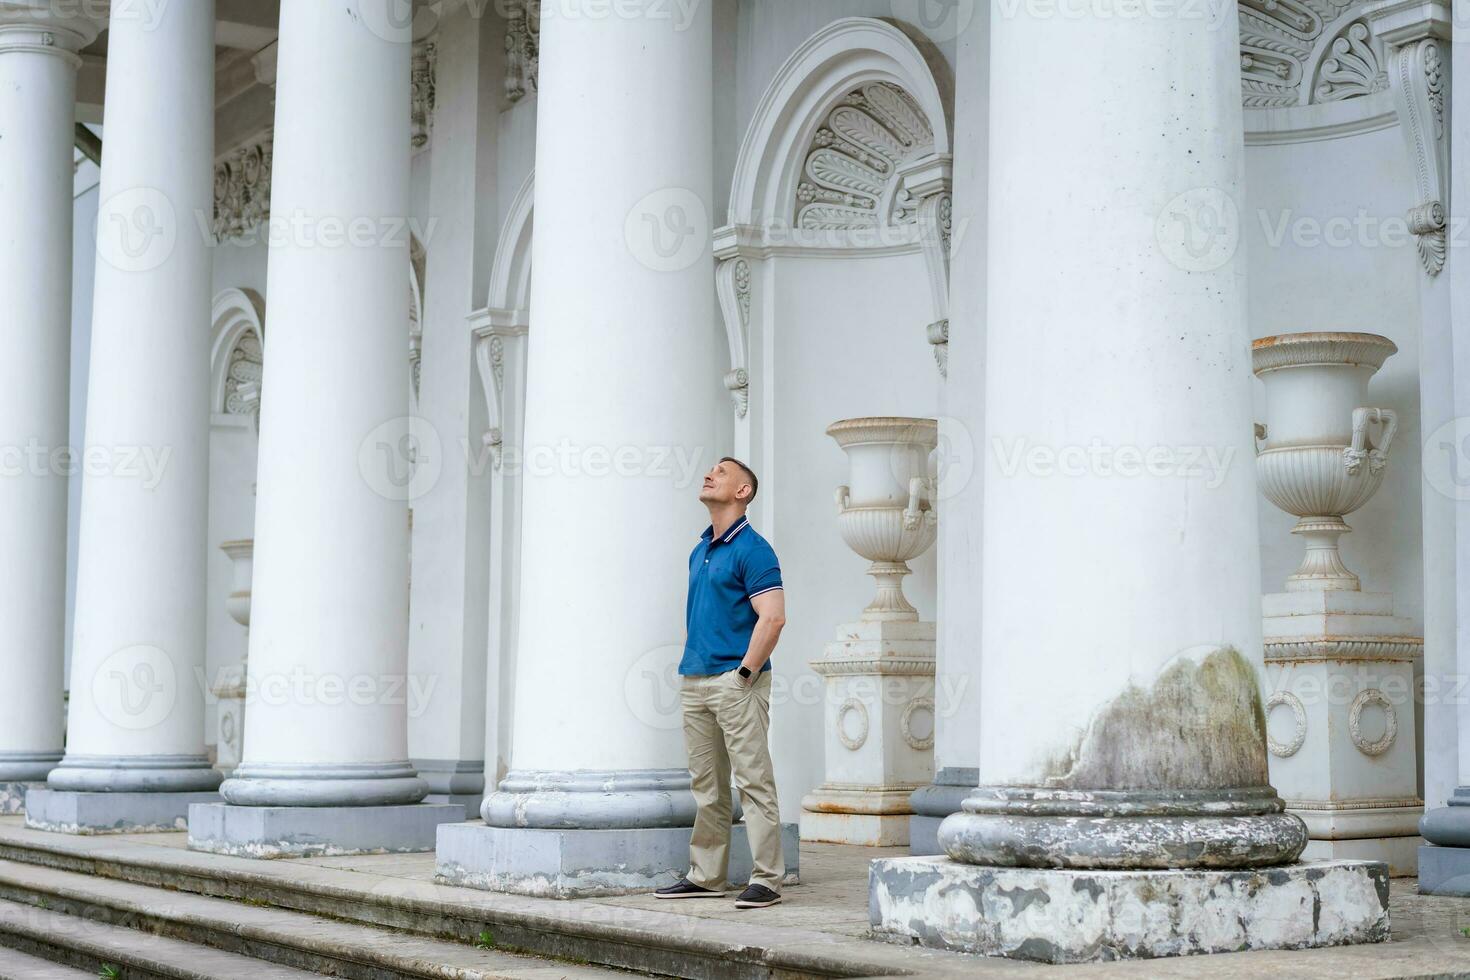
(1127, 830)
(1063, 916)
(459, 781)
(317, 831)
(112, 774)
(932, 803)
(13, 795)
(27, 767)
(65, 811)
(584, 863)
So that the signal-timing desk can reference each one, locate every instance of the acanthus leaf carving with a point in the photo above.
(242, 189)
(425, 60)
(522, 50)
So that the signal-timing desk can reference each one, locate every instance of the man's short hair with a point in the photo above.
(755, 484)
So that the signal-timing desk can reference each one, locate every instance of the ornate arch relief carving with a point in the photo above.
(850, 171)
(236, 353)
(1307, 52)
(242, 189)
(243, 375)
(522, 50)
(421, 76)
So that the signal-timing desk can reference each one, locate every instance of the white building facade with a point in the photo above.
(391, 342)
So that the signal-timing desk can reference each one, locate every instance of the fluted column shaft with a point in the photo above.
(329, 620)
(136, 717)
(619, 423)
(1121, 574)
(38, 77)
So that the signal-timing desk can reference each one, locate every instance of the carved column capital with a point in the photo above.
(42, 28)
(1416, 34)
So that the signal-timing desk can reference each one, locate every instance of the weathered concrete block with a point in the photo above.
(1063, 916)
(312, 831)
(13, 796)
(66, 811)
(584, 863)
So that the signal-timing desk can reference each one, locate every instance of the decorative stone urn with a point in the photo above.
(1319, 462)
(229, 686)
(885, 512)
(879, 672)
(1340, 716)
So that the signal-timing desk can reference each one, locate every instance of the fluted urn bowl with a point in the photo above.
(1323, 450)
(242, 558)
(885, 511)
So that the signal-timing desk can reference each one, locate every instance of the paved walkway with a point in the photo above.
(826, 914)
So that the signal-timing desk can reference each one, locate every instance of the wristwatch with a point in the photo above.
(744, 672)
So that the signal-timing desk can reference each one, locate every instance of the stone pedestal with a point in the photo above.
(584, 863)
(1080, 916)
(317, 831)
(72, 812)
(13, 795)
(879, 724)
(1340, 722)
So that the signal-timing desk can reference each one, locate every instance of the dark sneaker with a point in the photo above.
(684, 888)
(756, 897)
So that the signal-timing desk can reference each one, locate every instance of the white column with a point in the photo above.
(1121, 574)
(38, 78)
(620, 423)
(327, 717)
(137, 709)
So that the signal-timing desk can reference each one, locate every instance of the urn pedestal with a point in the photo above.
(879, 671)
(1340, 715)
(229, 683)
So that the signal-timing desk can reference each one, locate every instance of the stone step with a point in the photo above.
(15, 965)
(69, 942)
(270, 938)
(679, 942)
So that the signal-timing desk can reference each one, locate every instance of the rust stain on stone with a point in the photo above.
(1200, 726)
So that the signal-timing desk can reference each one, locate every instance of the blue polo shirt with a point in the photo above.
(725, 573)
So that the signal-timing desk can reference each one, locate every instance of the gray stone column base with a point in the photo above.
(584, 863)
(13, 795)
(315, 831)
(1065, 916)
(67, 811)
(932, 803)
(1444, 870)
(459, 781)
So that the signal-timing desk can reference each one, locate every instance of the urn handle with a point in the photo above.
(920, 493)
(1361, 449)
(842, 496)
(1260, 434)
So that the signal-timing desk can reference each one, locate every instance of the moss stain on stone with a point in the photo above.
(1200, 726)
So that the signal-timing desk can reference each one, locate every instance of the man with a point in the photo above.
(735, 611)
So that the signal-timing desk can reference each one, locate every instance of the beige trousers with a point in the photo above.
(725, 726)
